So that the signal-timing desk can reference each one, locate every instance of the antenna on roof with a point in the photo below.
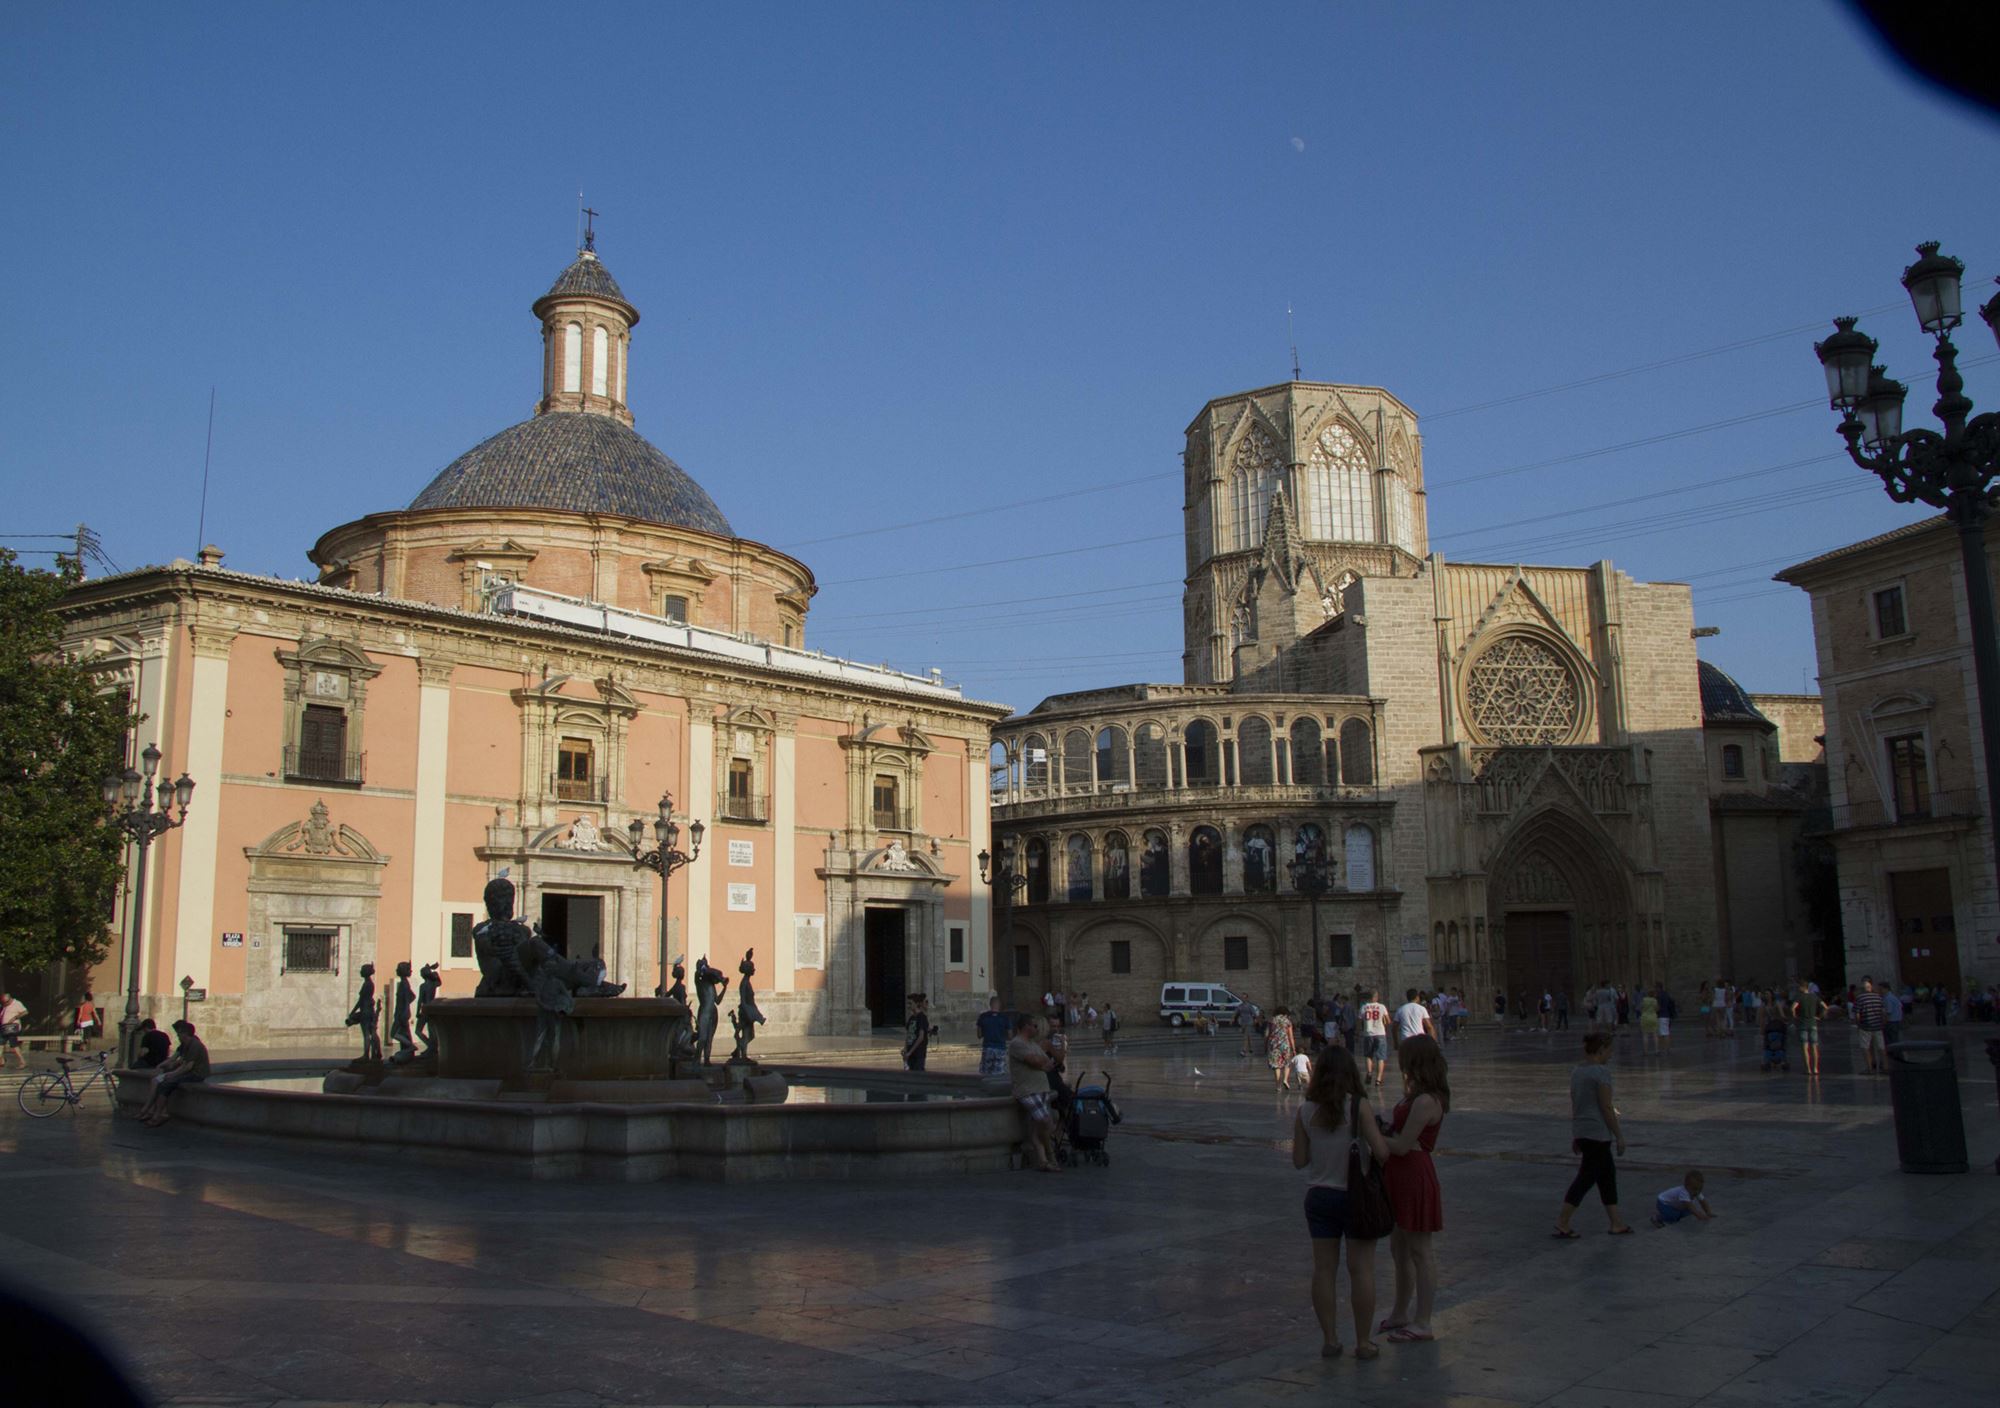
(201, 521)
(1294, 338)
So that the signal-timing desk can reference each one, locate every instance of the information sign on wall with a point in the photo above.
(232, 941)
(742, 852)
(809, 941)
(743, 898)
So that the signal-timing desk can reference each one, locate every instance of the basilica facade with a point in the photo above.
(560, 630)
(1497, 772)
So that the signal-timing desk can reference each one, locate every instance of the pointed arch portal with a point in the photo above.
(1559, 911)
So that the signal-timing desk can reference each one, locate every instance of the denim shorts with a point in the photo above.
(1375, 1048)
(1326, 1212)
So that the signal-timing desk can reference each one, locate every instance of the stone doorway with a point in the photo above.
(1926, 931)
(573, 924)
(885, 966)
(1539, 955)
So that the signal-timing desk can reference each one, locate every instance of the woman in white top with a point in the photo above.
(1334, 1113)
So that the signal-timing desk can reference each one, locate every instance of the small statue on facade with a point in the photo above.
(709, 984)
(746, 1017)
(365, 1014)
(427, 990)
(496, 943)
(399, 1022)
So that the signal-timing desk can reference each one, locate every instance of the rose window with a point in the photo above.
(1520, 692)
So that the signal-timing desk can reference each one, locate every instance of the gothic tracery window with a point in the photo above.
(1519, 691)
(1254, 476)
(1338, 499)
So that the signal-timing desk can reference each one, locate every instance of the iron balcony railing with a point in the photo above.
(329, 765)
(731, 806)
(580, 789)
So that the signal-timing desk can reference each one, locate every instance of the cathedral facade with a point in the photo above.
(1498, 770)
(559, 635)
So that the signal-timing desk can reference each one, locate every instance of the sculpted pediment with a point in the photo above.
(317, 838)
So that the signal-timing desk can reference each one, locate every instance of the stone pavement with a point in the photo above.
(1176, 1276)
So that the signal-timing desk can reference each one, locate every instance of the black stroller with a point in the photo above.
(1087, 1118)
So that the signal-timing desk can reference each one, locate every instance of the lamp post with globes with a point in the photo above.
(1955, 471)
(664, 859)
(1313, 877)
(1008, 880)
(142, 809)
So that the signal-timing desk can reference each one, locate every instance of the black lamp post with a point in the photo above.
(142, 810)
(1312, 878)
(664, 859)
(1954, 471)
(1008, 881)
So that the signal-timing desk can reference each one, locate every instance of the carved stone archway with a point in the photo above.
(1559, 911)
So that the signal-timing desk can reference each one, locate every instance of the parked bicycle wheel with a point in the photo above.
(42, 1095)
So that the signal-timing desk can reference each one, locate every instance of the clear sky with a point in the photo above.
(898, 262)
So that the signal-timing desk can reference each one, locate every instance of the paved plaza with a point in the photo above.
(1175, 1276)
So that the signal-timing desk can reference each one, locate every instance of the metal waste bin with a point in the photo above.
(1923, 1087)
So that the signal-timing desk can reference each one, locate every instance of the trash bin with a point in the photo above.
(1923, 1087)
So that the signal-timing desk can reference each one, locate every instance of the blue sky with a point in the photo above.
(898, 262)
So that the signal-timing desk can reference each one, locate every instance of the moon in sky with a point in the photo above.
(1298, 144)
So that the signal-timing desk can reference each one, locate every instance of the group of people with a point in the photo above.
(1076, 1013)
(1362, 1026)
(1035, 1060)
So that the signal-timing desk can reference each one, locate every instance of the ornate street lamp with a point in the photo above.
(664, 859)
(142, 809)
(1008, 881)
(1954, 471)
(1313, 877)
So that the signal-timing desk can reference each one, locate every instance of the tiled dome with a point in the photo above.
(1724, 701)
(577, 463)
(587, 278)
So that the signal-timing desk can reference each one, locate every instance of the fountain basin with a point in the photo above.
(605, 1038)
(539, 1137)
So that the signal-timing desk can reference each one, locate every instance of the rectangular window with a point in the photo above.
(1890, 619)
(311, 950)
(1235, 952)
(1909, 776)
(461, 936)
(886, 812)
(1340, 950)
(740, 774)
(1021, 966)
(674, 608)
(956, 956)
(1732, 760)
(322, 744)
(574, 760)
(1121, 955)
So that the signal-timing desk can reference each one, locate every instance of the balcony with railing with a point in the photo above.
(334, 767)
(742, 806)
(580, 789)
(1953, 810)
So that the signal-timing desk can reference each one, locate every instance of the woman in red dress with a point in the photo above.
(1412, 1183)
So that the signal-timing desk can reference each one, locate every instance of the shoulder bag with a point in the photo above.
(1368, 1214)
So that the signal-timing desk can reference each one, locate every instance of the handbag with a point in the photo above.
(1368, 1213)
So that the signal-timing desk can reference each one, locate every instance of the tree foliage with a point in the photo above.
(60, 735)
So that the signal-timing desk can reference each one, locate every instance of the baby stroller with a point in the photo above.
(1775, 1056)
(1087, 1123)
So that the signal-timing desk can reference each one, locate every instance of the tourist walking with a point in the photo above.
(13, 1016)
(1870, 1020)
(917, 1033)
(1107, 1025)
(994, 1030)
(1250, 1018)
(1374, 1039)
(1280, 1045)
(1415, 1195)
(1595, 1136)
(1029, 1069)
(1892, 1014)
(89, 1021)
(1334, 1120)
(1649, 1025)
(1413, 1018)
(1667, 1014)
(1807, 1009)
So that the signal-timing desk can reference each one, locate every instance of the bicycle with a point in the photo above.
(44, 1093)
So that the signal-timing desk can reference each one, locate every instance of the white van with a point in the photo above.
(1181, 1002)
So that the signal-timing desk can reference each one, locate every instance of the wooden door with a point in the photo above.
(1926, 934)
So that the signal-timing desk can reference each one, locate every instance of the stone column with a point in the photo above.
(428, 817)
(1232, 857)
(1177, 861)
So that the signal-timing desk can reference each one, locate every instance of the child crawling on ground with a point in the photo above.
(1687, 1200)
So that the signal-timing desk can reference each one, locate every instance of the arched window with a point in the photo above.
(1034, 762)
(1117, 866)
(1357, 755)
(1114, 763)
(1076, 858)
(624, 351)
(1338, 499)
(1360, 858)
(600, 361)
(1076, 752)
(1149, 756)
(1308, 757)
(573, 357)
(1038, 871)
(1204, 759)
(1205, 861)
(1000, 770)
(1253, 752)
(1732, 760)
(1402, 512)
(1260, 861)
(1155, 871)
(1254, 474)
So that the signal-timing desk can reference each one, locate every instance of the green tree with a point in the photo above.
(60, 735)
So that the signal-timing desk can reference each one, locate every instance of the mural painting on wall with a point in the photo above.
(1310, 846)
(1260, 875)
(1153, 867)
(1117, 867)
(1205, 861)
(1078, 859)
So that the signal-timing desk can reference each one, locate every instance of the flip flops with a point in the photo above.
(1368, 1351)
(1566, 1234)
(1405, 1335)
(1619, 1232)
